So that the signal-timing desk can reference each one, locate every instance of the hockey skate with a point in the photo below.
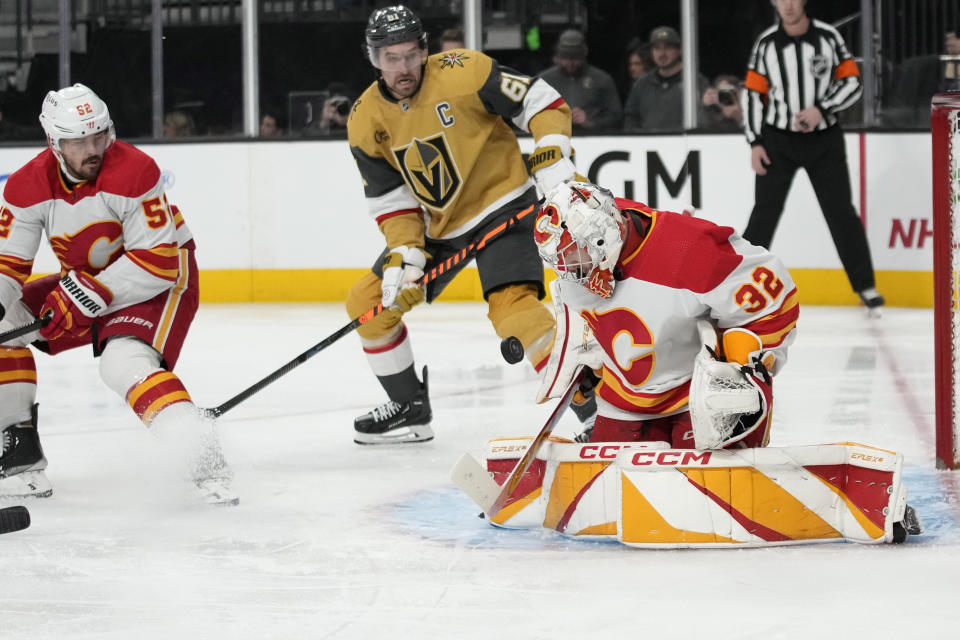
(873, 301)
(397, 422)
(22, 462)
(212, 475)
(909, 526)
(191, 441)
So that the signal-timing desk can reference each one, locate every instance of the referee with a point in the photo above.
(800, 75)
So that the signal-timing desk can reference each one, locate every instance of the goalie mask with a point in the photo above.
(579, 233)
(392, 25)
(74, 112)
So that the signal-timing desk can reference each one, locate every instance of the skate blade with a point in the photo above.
(875, 313)
(217, 493)
(403, 435)
(26, 484)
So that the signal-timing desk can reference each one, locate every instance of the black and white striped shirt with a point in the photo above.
(787, 74)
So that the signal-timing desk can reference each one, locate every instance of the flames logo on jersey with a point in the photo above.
(427, 166)
(90, 249)
(625, 337)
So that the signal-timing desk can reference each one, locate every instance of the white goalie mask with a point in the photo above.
(74, 112)
(579, 233)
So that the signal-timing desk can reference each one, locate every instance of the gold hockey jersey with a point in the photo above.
(449, 149)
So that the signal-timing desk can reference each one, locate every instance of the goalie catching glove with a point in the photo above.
(402, 269)
(73, 305)
(550, 162)
(729, 399)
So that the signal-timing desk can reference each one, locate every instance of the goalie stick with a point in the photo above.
(462, 255)
(14, 519)
(24, 329)
(475, 481)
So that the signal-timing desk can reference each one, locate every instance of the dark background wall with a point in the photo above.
(202, 64)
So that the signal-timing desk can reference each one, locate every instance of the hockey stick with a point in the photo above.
(462, 255)
(24, 329)
(470, 476)
(14, 519)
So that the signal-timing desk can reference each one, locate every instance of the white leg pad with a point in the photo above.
(126, 362)
(648, 495)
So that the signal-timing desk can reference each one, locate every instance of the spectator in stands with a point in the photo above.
(915, 80)
(451, 39)
(950, 69)
(335, 111)
(656, 98)
(178, 124)
(590, 92)
(639, 62)
(270, 125)
(722, 108)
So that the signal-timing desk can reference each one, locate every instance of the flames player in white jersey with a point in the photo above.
(127, 286)
(441, 168)
(640, 292)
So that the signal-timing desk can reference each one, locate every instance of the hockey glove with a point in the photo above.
(550, 162)
(401, 270)
(728, 400)
(72, 306)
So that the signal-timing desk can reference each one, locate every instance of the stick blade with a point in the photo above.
(474, 480)
(14, 519)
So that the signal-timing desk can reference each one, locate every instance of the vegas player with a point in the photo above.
(648, 288)
(441, 167)
(127, 286)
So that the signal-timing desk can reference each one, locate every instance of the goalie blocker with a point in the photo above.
(648, 495)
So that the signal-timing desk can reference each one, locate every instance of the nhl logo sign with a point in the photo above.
(818, 65)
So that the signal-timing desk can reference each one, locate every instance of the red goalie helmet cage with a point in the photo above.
(945, 129)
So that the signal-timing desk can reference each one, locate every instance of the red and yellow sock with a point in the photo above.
(157, 392)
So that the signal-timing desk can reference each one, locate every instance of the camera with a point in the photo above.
(341, 104)
(727, 97)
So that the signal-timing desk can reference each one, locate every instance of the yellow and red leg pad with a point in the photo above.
(649, 495)
(18, 385)
(516, 311)
(157, 392)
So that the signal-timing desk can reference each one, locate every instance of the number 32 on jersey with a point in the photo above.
(765, 288)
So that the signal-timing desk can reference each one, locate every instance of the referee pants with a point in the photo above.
(823, 155)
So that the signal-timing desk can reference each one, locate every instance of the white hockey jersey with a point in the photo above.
(684, 269)
(119, 228)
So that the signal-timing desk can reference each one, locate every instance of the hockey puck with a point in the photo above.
(512, 350)
(14, 519)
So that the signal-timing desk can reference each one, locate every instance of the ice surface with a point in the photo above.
(335, 540)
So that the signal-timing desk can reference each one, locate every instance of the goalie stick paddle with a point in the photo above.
(464, 254)
(24, 329)
(14, 519)
(474, 480)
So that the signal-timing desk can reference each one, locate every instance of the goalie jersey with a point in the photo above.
(683, 269)
(119, 227)
(449, 148)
